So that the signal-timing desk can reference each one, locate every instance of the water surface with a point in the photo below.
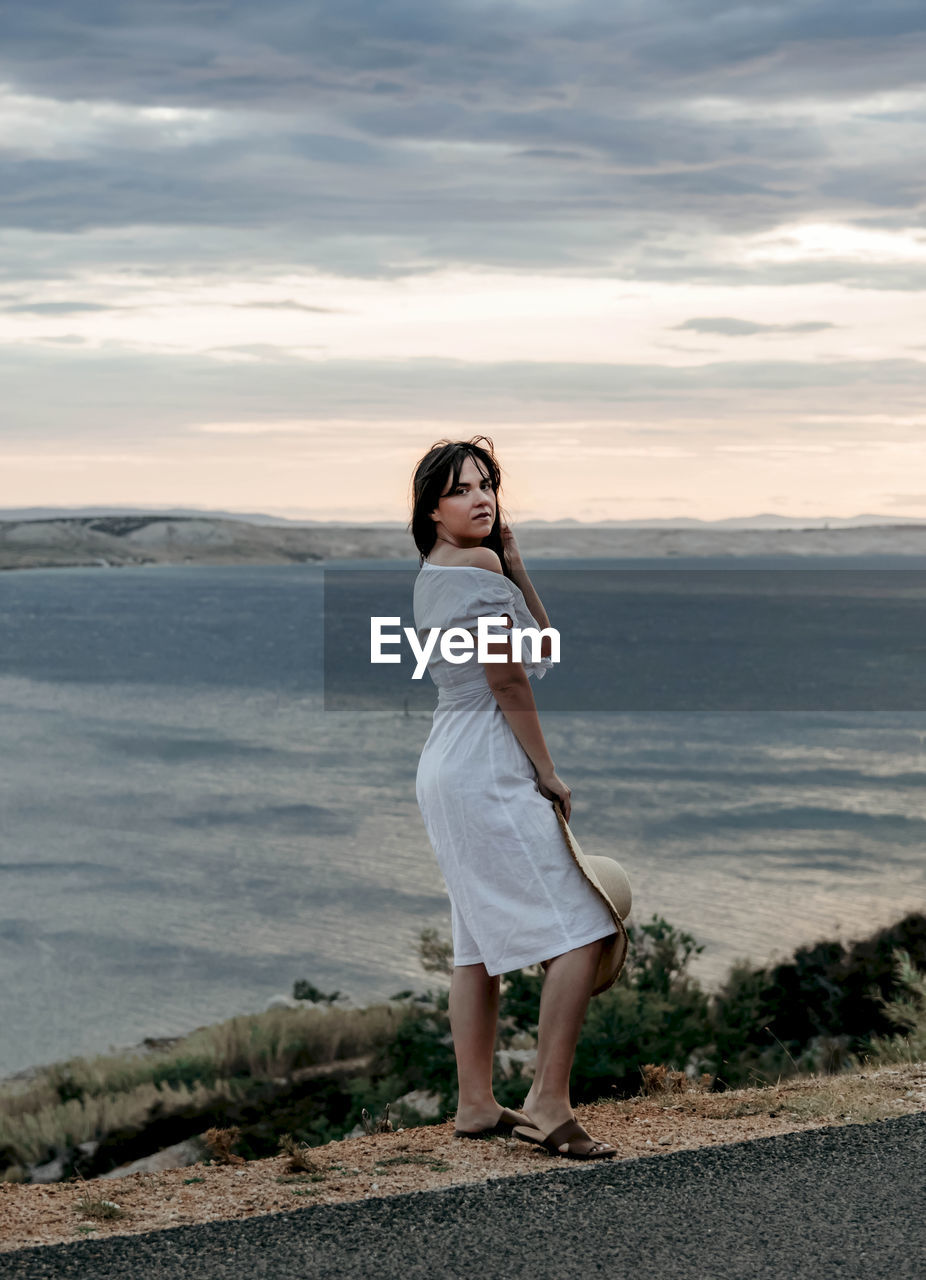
(185, 830)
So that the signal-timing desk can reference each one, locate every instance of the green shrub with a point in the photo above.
(435, 954)
(420, 1053)
(184, 1071)
(907, 1011)
(817, 1011)
(303, 990)
(658, 957)
(656, 1012)
(519, 1000)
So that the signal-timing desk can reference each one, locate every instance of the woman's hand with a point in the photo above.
(552, 787)
(512, 550)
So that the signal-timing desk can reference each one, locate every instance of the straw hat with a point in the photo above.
(609, 880)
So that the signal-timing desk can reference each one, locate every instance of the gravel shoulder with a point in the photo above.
(834, 1201)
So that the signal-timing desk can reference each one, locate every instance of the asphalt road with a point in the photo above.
(836, 1202)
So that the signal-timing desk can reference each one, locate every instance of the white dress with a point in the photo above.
(517, 897)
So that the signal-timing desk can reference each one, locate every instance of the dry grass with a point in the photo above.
(58, 1127)
(86, 1098)
(857, 1098)
(666, 1119)
(659, 1080)
(299, 1159)
(219, 1143)
(97, 1207)
(377, 1124)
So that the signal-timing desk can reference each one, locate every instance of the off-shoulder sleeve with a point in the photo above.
(492, 596)
(489, 595)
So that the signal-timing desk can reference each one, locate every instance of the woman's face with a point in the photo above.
(465, 513)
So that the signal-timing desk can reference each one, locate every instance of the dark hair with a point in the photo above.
(445, 458)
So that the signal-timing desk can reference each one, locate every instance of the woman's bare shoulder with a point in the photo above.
(475, 558)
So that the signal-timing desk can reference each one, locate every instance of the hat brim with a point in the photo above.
(610, 882)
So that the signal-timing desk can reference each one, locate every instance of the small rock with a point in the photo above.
(180, 1156)
(283, 1002)
(665, 1142)
(428, 1105)
(51, 1172)
(526, 1058)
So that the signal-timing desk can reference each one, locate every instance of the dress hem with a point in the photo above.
(535, 959)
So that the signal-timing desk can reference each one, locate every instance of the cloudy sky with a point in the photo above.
(670, 257)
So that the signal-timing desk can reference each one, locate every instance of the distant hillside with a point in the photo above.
(768, 520)
(113, 541)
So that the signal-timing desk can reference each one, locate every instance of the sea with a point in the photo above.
(195, 813)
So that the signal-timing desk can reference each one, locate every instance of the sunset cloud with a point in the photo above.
(417, 220)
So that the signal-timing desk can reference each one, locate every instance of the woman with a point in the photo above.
(484, 786)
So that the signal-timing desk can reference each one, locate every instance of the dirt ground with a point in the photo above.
(389, 1164)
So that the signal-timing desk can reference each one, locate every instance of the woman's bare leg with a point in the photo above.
(473, 1006)
(564, 1000)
